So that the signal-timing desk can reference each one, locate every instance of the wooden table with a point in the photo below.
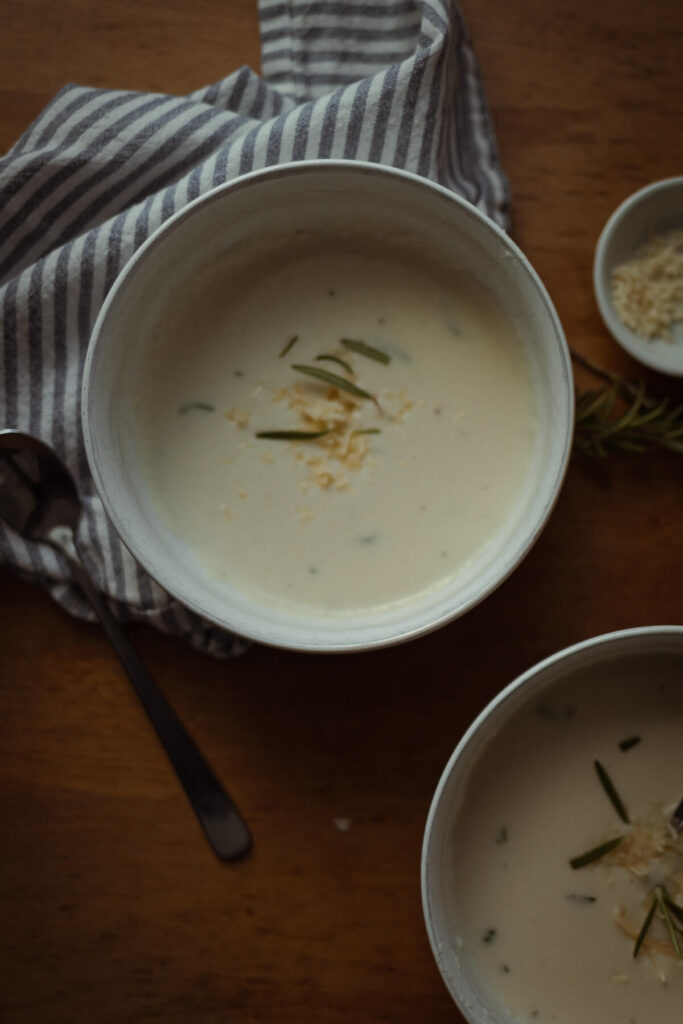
(114, 908)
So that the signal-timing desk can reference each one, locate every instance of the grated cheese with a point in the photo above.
(339, 412)
(647, 290)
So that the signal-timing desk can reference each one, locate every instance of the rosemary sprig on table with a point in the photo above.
(622, 416)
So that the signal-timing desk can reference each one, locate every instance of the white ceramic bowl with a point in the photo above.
(479, 1004)
(654, 210)
(315, 193)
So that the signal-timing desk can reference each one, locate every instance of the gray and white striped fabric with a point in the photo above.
(393, 82)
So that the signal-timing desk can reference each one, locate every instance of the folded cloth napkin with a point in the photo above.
(393, 82)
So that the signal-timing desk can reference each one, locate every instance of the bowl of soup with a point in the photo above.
(552, 864)
(328, 406)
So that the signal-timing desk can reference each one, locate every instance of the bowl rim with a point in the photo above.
(339, 642)
(627, 339)
(602, 641)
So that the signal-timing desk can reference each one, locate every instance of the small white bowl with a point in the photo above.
(534, 691)
(656, 209)
(285, 197)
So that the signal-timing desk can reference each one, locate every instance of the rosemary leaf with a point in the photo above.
(664, 911)
(292, 341)
(643, 931)
(292, 435)
(595, 854)
(368, 430)
(673, 907)
(626, 744)
(190, 406)
(608, 786)
(333, 380)
(365, 350)
(335, 359)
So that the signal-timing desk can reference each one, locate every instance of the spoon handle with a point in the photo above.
(223, 824)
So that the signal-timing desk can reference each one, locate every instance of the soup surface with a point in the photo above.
(407, 482)
(556, 943)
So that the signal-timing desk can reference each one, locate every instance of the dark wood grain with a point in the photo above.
(114, 908)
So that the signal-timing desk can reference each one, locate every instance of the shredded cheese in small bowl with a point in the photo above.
(638, 275)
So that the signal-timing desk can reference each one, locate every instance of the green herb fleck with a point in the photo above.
(626, 744)
(368, 430)
(489, 935)
(292, 435)
(365, 350)
(191, 406)
(334, 381)
(646, 924)
(290, 344)
(502, 836)
(664, 911)
(595, 854)
(335, 359)
(608, 786)
(673, 907)
(579, 897)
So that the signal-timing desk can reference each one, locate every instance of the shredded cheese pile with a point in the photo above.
(647, 291)
(345, 447)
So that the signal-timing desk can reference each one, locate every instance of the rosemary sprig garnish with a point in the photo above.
(628, 743)
(646, 924)
(292, 341)
(662, 902)
(335, 381)
(190, 406)
(673, 907)
(608, 786)
(669, 911)
(623, 417)
(596, 853)
(292, 435)
(664, 911)
(365, 350)
(335, 359)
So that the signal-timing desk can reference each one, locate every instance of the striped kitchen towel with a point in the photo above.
(391, 81)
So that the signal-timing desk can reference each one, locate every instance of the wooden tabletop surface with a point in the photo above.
(113, 907)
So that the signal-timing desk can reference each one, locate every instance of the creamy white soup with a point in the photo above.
(550, 886)
(387, 473)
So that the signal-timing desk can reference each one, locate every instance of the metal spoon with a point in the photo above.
(38, 498)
